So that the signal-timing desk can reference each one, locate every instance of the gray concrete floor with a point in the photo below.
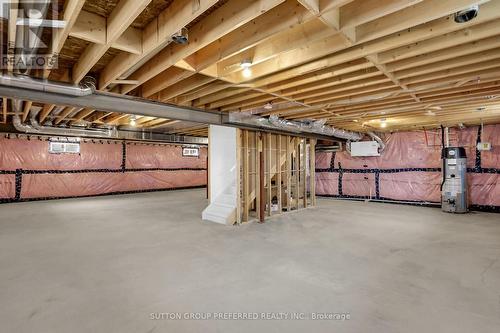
(105, 264)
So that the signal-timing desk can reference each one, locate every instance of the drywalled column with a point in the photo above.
(222, 175)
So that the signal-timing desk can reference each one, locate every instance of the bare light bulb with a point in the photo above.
(383, 123)
(247, 72)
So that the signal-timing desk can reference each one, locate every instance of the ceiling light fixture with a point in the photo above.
(383, 123)
(133, 122)
(181, 37)
(246, 63)
(466, 14)
(247, 72)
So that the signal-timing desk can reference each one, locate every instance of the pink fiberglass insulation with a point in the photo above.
(146, 156)
(34, 155)
(466, 138)
(99, 167)
(419, 151)
(323, 160)
(358, 184)
(412, 186)
(484, 189)
(491, 134)
(86, 184)
(7, 186)
(327, 183)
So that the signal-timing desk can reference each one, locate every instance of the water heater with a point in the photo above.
(454, 187)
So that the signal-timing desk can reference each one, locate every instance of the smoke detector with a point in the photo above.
(181, 37)
(466, 14)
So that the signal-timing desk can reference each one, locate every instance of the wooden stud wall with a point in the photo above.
(286, 174)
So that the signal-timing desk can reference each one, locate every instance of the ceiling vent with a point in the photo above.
(466, 14)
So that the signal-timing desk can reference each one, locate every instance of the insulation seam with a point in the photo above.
(469, 170)
(484, 208)
(35, 172)
(3, 201)
(124, 156)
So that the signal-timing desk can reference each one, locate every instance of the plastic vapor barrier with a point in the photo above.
(409, 169)
(29, 172)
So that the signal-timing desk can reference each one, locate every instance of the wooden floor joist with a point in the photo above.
(326, 59)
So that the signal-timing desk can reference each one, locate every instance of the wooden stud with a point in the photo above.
(288, 172)
(269, 154)
(296, 148)
(304, 172)
(239, 173)
(261, 203)
(312, 171)
(259, 177)
(246, 175)
(279, 166)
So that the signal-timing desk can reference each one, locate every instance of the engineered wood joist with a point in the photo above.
(341, 60)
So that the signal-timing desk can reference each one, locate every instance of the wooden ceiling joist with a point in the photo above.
(120, 19)
(82, 115)
(348, 61)
(156, 35)
(228, 17)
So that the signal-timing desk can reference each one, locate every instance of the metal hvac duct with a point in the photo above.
(36, 128)
(311, 127)
(87, 87)
(379, 141)
(85, 96)
(43, 91)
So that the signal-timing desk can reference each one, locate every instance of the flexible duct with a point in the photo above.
(273, 122)
(379, 141)
(36, 128)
